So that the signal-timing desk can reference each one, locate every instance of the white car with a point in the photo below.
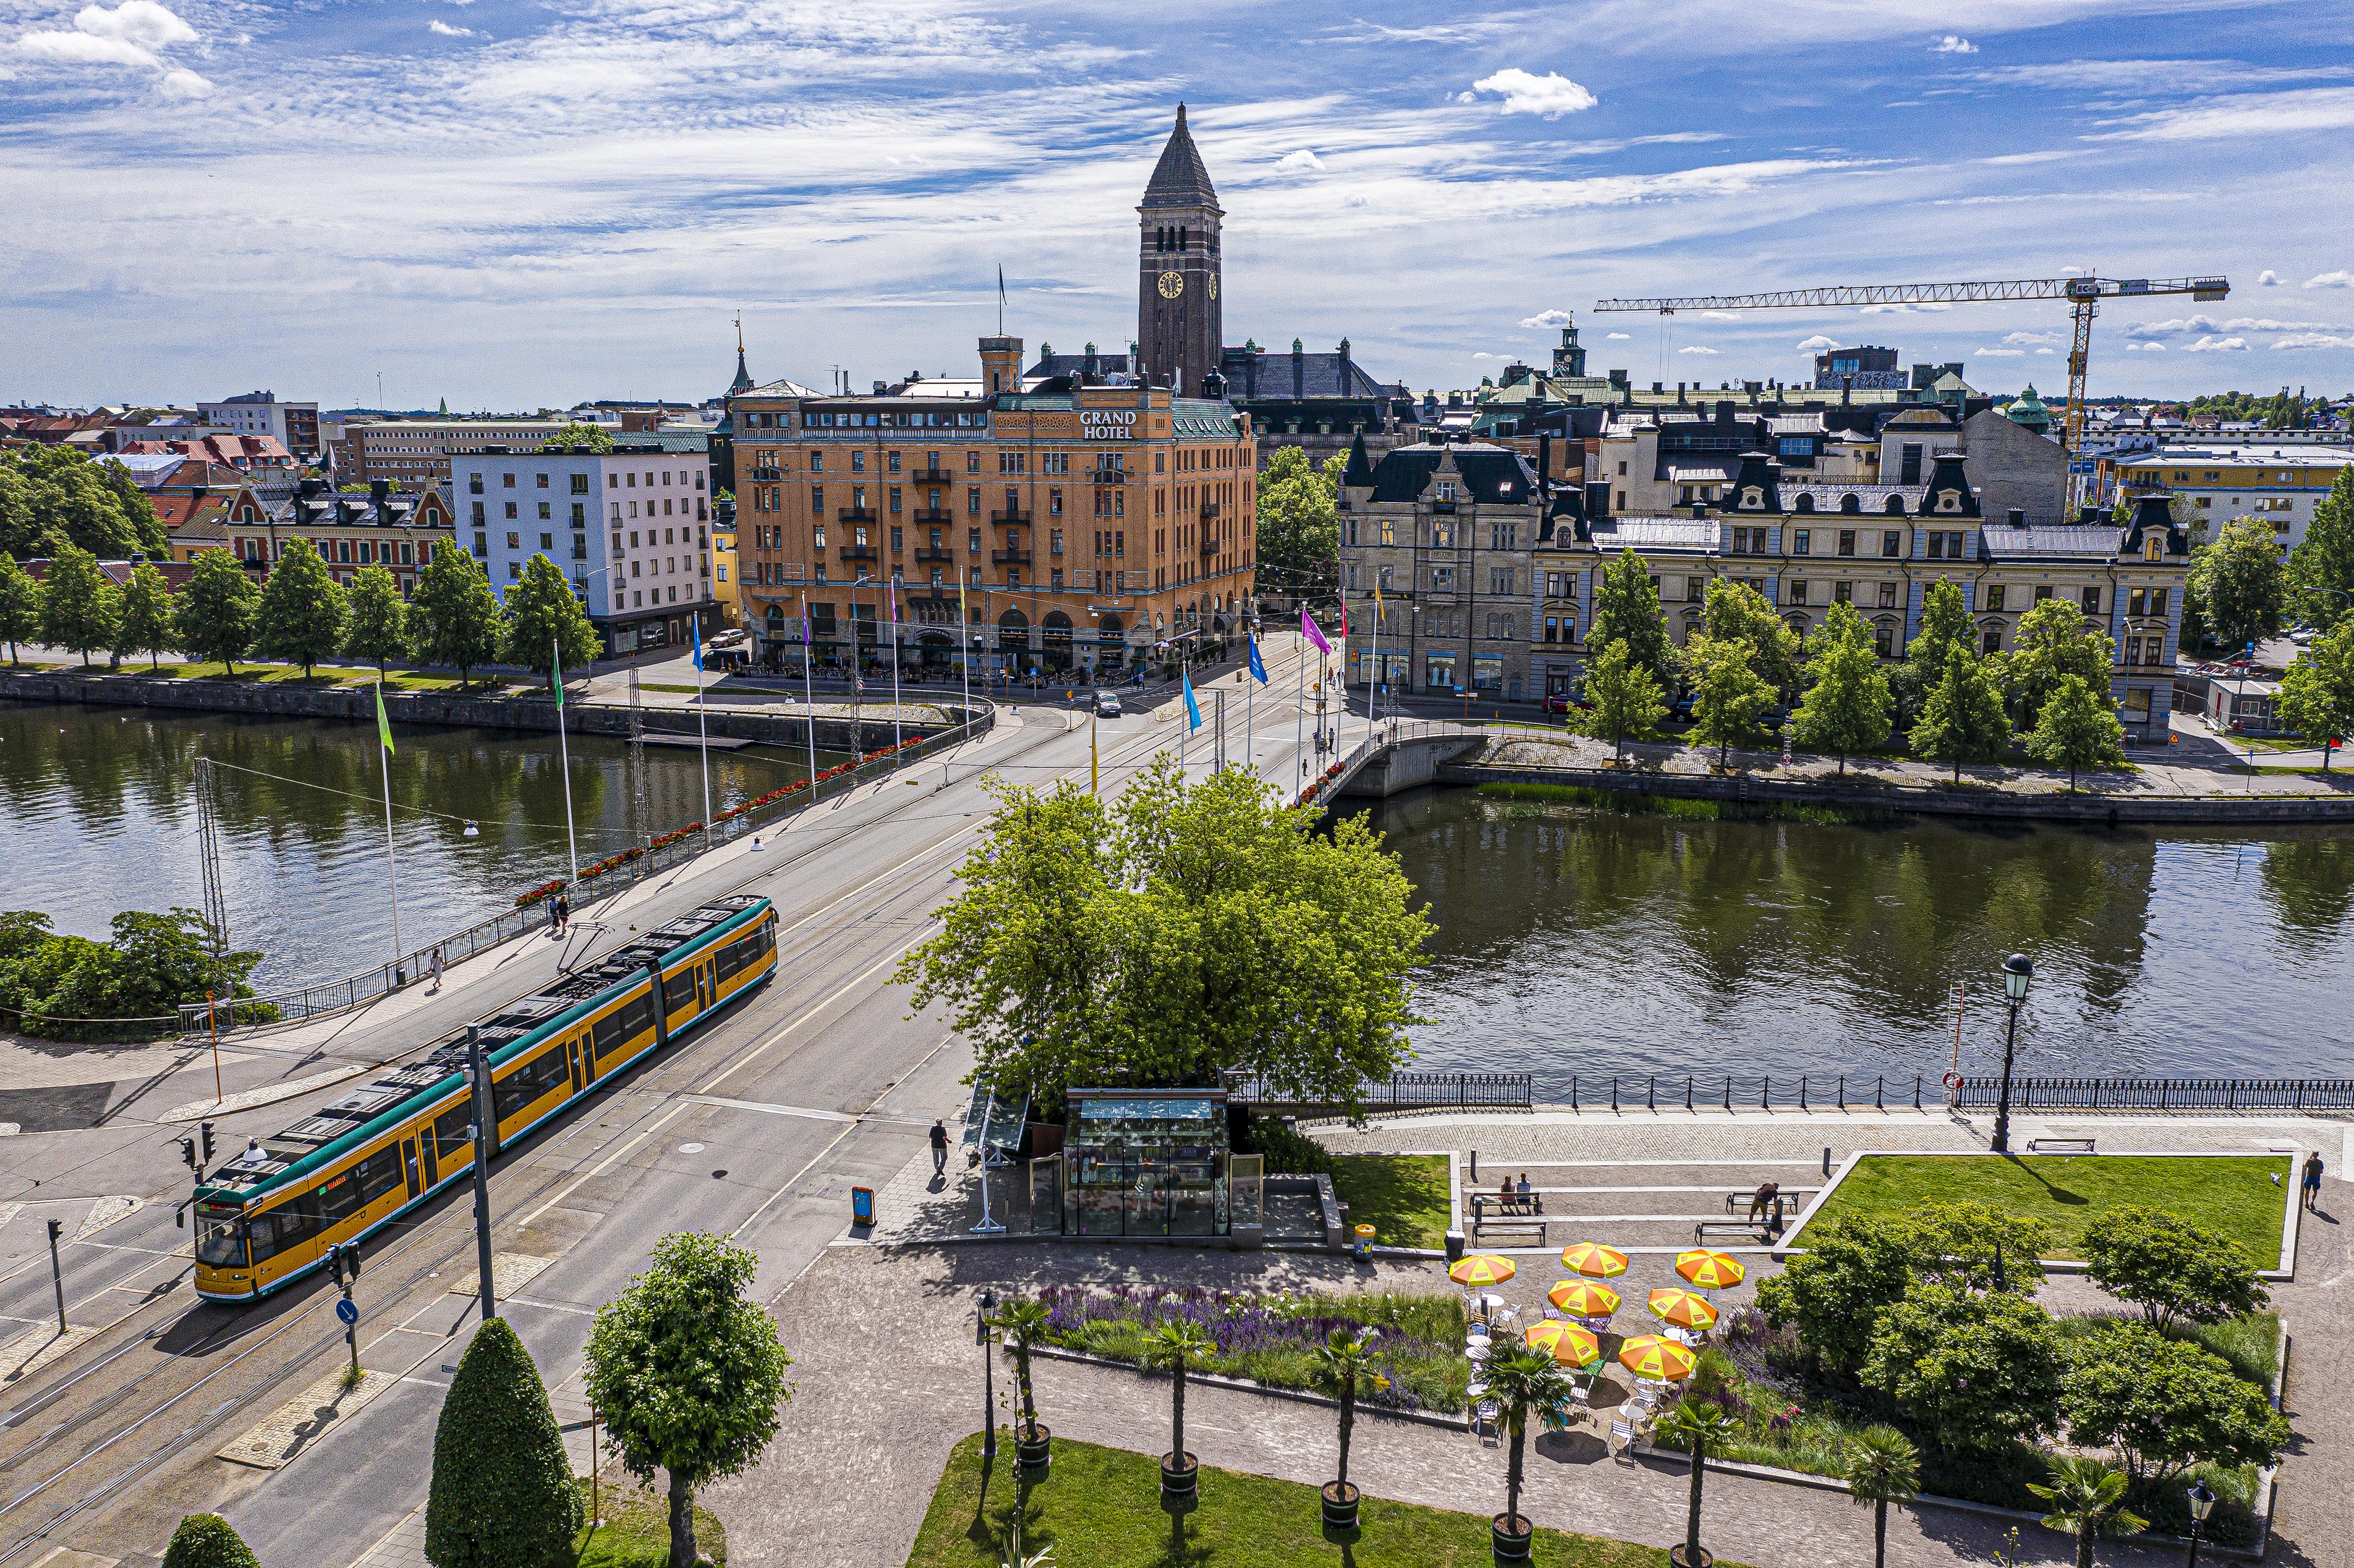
(1106, 706)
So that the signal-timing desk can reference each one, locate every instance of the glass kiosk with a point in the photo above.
(1147, 1162)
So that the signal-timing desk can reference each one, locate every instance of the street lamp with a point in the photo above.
(2017, 971)
(988, 1377)
(2203, 1503)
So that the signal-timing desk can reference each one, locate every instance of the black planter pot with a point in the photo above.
(1340, 1505)
(1676, 1557)
(1182, 1479)
(1031, 1446)
(1511, 1535)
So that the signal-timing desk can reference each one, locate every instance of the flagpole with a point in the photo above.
(894, 673)
(1299, 718)
(701, 736)
(391, 863)
(1250, 695)
(1373, 676)
(809, 695)
(564, 753)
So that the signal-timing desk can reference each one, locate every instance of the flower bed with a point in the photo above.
(1272, 1338)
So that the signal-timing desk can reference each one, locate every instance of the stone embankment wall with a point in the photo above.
(532, 712)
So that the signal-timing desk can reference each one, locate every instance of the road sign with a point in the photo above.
(348, 1310)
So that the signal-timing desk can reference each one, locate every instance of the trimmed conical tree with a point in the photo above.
(205, 1541)
(502, 1492)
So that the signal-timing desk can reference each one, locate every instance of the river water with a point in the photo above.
(100, 815)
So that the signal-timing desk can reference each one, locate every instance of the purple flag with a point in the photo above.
(1309, 630)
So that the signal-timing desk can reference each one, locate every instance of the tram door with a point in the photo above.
(705, 986)
(409, 1165)
(578, 1081)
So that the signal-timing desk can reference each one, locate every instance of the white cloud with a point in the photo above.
(129, 34)
(2288, 113)
(2341, 278)
(1819, 341)
(1551, 95)
(1899, 309)
(2315, 339)
(2028, 339)
(446, 31)
(2268, 279)
(2267, 324)
(2002, 353)
(1619, 337)
(1298, 163)
(181, 83)
(1722, 315)
(2212, 345)
(1954, 44)
(2178, 323)
(1546, 319)
(1697, 348)
(2146, 347)
(2047, 351)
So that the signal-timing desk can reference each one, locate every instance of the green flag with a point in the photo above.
(383, 725)
(555, 683)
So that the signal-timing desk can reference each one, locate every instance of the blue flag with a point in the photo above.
(695, 626)
(1192, 708)
(1257, 668)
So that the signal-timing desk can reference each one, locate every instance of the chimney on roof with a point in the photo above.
(379, 494)
(2016, 516)
(1724, 411)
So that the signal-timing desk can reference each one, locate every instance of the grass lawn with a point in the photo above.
(1100, 1508)
(2233, 1194)
(636, 1532)
(1403, 1196)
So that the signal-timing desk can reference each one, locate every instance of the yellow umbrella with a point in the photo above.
(1661, 1361)
(1706, 1270)
(1482, 1268)
(1570, 1345)
(1593, 1260)
(1682, 1308)
(1583, 1299)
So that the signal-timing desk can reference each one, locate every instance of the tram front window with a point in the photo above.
(220, 1242)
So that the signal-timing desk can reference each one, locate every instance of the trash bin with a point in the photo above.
(1454, 1246)
(1364, 1241)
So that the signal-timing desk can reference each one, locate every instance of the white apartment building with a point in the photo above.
(631, 528)
(2278, 483)
(295, 425)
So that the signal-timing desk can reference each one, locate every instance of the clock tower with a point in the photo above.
(1178, 313)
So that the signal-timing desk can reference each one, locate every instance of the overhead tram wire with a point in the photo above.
(371, 800)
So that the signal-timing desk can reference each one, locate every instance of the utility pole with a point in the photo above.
(478, 1075)
(58, 1275)
(639, 814)
(2017, 971)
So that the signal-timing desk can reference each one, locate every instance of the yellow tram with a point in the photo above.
(268, 1217)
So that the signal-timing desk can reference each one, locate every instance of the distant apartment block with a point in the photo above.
(295, 426)
(414, 454)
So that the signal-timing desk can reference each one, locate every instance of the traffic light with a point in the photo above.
(344, 1262)
(188, 1152)
(206, 1128)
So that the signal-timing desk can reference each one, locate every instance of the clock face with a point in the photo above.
(1213, 287)
(1171, 285)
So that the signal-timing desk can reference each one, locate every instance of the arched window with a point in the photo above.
(1806, 502)
(1013, 621)
(1850, 504)
(1894, 506)
(1884, 638)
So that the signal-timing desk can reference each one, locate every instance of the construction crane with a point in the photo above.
(2082, 295)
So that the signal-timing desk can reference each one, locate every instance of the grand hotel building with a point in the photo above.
(1085, 522)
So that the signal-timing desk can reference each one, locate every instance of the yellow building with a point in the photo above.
(2281, 484)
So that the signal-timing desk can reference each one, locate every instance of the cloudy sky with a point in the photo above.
(512, 203)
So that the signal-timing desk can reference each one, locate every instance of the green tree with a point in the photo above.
(687, 1372)
(1883, 1467)
(213, 618)
(2321, 568)
(542, 617)
(1627, 609)
(378, 630)
(2173, 1270)
(1189, 928)
(1852, 1270)
(303, 612)
(2087, 1500)
(145, 625)
(2316, 691)
(1298, 522)
(1735, 611)
(53, 497)
(205, 1541)
(20, 604)
(454, 618)
(1344, 1364)
(2240, 582)
(131, 985)
(1701, 1428)
(585, 439)
(2056, 641)
(1727, 693)
(1522, 1382)
(1972, 1246)
(2165, 1405)
(1847, 708)
(1178, 1347)
(1628, 702)
(1963, 719)
(1977, 1370)
(1944, 628)
(2078, 729)
(1024, 1321)
(130, 504)
(80, 606)
(502, 1495)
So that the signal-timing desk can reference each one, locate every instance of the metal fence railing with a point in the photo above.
(2160, 1094)
(1407, 1091)
(329, 997)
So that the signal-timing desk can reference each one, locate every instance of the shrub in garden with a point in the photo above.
(2087, 1501)
(205, 1541)
(1833, 1294)
(2164, 1406)
(1974, 1371)
(2173, 1270)
(502, 1495)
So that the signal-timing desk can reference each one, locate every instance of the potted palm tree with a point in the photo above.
(1699, 1429)
(2087, 1501)
(1344, 1362)
(1521, 1381)
(1179, 1346)
(1024, 1323)
(1883, 1467)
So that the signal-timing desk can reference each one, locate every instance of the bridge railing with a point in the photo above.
(1481, 1091)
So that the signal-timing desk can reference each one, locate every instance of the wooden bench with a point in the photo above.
(2059, 1146)
(1484, 1203)
(1707, 1228)
(1532, 1231)
(1793, 1199)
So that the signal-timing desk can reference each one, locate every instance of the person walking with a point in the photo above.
(939, 1148)
(559, 914)
(435, 963)
(1762, 1198)
(2313, 1180)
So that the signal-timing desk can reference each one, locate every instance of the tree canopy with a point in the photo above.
(1846, 708)
(145, 624)
(51, 497)
(80, 604)
(1728, 693)
(1975, 1370)
(2316, 693)
(1628, 702)
(2173, 1270)
(2078, 729)
(1298, 522)
(2321, 567)
(2239, 582)
(303, 612)
(1962, 717)
(20, 604)
(582, 439)
(1187, 930)
(206, 1541)
(1945, 627)
(71, 988)
(1627, 609)
(1736, 610)
(503, 1494)
(454, 619)
(2164, 1404)
(542, 617)
(377, 629)
(214, 616)
(2055, 640)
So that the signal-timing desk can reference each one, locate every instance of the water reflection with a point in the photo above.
(1581, 942)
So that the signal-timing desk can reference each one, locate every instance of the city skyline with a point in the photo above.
(508, 205)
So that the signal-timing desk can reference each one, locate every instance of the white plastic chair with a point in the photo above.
(1486, 1420)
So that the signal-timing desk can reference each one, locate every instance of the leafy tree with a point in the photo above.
(1963, 719)
(1847, 707)
(2240, 582)
(206, 1541)
(144, 624)
(1975, 1371)
(130, 504)
(1177, 1346)
(2321, 568)
(502, 1495)
(1734, 610)
(2087, 1501)
(214, 616)
(378, 630)
(687, 1372)
(1522, 1382)
(1299, 521)
(2165, 1405)
(1024, 1321)
(1727, 693)
(1852, 1270)
(79, 988)
(2316, 691)
(1701, 1428)
(302, 613)
(1971, 1247)
(587, 439)
(1627, 609)
(1628, 703)
(1344, 1364)
(53, 497)
(2173, 1270)
(455, 618)
(2078, 729)
(1883, 1467)
(20, 604)
(542, 617)
(79, 605)
(2056, 641)
(1944, 628)
(1188, 928)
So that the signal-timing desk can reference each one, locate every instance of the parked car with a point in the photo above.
(1106, 706)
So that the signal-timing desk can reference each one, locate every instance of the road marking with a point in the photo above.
(1644, 1165)
(755, 1052)
(600, 1168)
(814, 1115)
(550, 1305)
